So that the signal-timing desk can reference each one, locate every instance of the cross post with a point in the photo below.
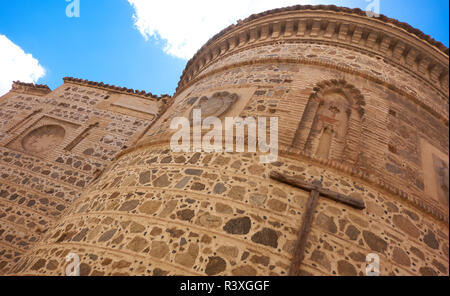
(315, 192)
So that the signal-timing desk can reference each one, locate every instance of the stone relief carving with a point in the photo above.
(333, 110)
(44, 138)
(216, 105)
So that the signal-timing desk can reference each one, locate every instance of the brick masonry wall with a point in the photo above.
(160, 213)
(44, 170)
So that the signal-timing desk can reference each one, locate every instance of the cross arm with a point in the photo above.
(297, 182)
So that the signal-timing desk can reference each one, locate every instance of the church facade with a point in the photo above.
(87, 169)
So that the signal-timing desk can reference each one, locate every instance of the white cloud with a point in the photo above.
(186, 25)
(15, 64)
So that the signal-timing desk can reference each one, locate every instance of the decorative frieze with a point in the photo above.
(361, 33)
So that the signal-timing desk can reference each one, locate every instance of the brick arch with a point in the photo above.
(342, 133)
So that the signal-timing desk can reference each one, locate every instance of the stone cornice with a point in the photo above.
(396, 42)
(30, 88)
(117, 89)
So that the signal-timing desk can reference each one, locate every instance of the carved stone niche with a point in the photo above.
(216, 105)
(331, 124)
(44, 138)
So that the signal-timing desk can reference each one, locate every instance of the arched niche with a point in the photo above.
(43, 139)
(331, 123)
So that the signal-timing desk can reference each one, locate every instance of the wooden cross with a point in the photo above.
(315, 191)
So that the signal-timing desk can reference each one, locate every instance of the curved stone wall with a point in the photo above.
(155, 212)
(162, 213)
(53, 144)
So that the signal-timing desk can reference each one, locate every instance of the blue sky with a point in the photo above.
(144, 44)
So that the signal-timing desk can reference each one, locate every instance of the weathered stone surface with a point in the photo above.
(185, 215)
(121, 264)
(411, 215)
(321, 258)
(198, 186)
(219, 188)
(359, 221)
(39, 264)
(257, 199)
(209, 221)
(418, 253)
(407, 226)
(195, 158)
(167, 159)
(278, 192)
(174, 232)
(401, 257)
(431, 241)
(391, 207)
(352, 232)
(445, 250)
(160, 272)
(169, 207)
(150, 207)
(256, 170)
(326, 223)
(206, 239)
(162, 181)
(223, 209)
(137, 244)
(440, 266)
(159, 249)
(276, 205)
(245, 270)
(375, 242)
(180, 159)
(81, 235)
(221, 161)
(267, 237)
(107, 235)
(238, 226)
(85, 269)
(193, 172)
(52, 265)
(188, 259)
(215, 266)
(144, 178)
(263, 260)
(227, 251)
(358, 256)
(136, 228)
(237, 192)
(129, 205)
(374, 208)
(427, 271)
(183, 182)
(346, 269)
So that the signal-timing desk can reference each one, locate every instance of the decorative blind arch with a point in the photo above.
(331, 124)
